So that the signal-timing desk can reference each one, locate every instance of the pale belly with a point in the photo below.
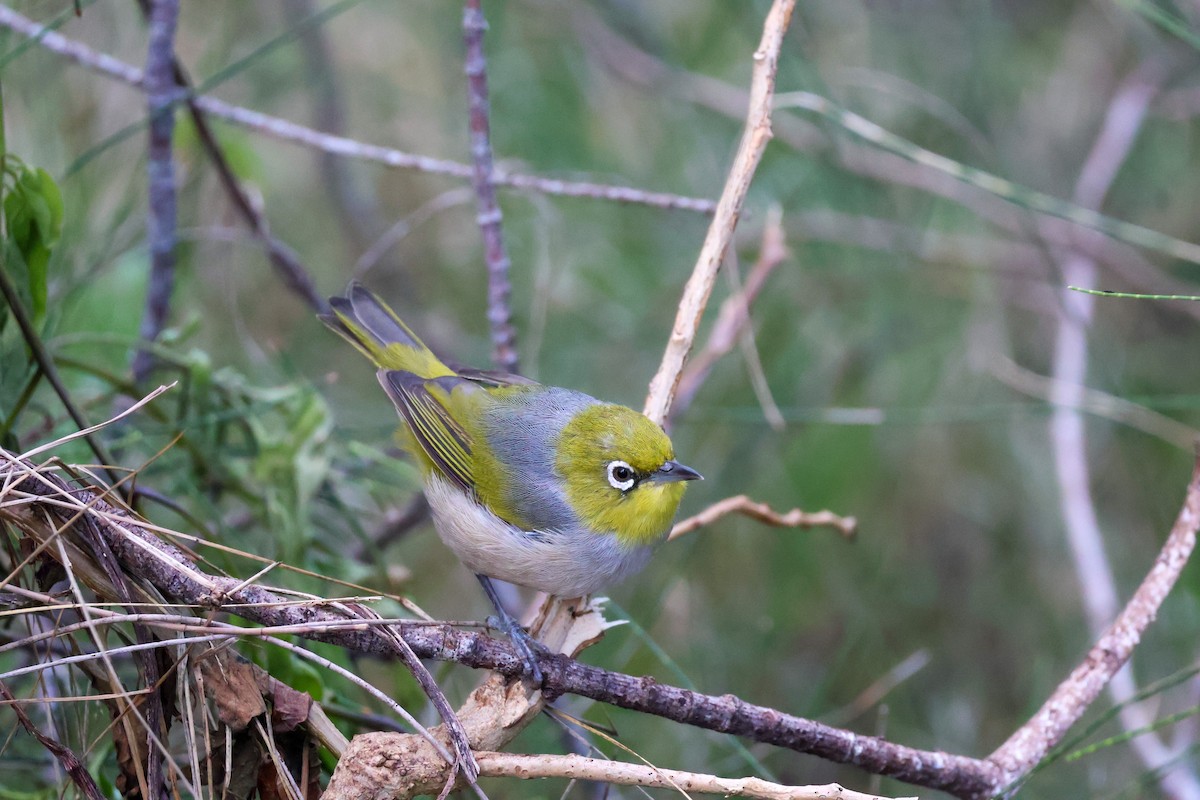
(563, 563)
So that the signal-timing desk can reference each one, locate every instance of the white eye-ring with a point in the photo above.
(621, 475)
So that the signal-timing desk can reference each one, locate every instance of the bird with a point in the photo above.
(541, 486)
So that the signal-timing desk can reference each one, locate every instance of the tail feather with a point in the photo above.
(365, 321)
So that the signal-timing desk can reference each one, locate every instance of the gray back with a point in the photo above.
(522, 430)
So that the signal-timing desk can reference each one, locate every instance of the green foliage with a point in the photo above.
(33, 211)
(33, 217)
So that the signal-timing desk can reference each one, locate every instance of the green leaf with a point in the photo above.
(34, 214)
(52, 224)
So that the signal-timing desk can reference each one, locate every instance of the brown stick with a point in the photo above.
(742, 504)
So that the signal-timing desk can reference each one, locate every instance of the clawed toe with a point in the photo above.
(528, 648)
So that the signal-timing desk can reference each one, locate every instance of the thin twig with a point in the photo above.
(742, 504)
(729, 207)
(405, 225)
(623, 773)
(996, 186)
(161, 94)
(1085, 399)
(341, 145)
(70, 762)
(45, 363)
(749, 348)
(734, 316)
(880, 688)
(504, 335)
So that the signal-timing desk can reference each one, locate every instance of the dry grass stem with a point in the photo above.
(742, 504)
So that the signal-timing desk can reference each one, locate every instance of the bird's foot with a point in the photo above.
(528, 648)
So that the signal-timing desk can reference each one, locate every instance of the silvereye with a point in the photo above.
(543, 487)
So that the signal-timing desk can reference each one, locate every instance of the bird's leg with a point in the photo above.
(528, 647)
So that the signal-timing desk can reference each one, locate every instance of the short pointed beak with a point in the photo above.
(673, 471)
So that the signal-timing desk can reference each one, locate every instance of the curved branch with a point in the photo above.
(1030, 744)
(742, 504)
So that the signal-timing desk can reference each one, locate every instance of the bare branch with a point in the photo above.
(729, 208)
(575, 767)
(504, 336)
(161, 95)
(734, 316)
(742, 504)
(341, 145)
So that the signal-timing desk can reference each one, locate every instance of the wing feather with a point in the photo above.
(439, 435)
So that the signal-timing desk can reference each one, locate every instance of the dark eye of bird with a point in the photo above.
(621, 476)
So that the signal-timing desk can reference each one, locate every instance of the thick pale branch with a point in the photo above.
(576, 767)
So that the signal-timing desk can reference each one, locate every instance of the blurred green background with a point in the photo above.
(885, 338)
